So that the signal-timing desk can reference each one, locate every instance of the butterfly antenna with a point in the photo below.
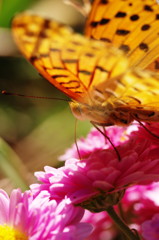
(106, 136)
(153, 134)
(26, 96)
(75, 138)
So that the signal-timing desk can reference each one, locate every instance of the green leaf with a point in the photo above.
(12, 167)
(8, 8)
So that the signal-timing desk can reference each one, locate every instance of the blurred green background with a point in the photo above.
(33, 132)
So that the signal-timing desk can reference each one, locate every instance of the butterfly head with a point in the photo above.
(100, 115)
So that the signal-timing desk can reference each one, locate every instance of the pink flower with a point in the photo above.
(38, 218)
(139, 205)
(96, 141)
(150, 228)
(102, 174)
(103, 227)
(141, 202)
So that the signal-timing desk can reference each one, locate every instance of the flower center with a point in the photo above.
(9, 233)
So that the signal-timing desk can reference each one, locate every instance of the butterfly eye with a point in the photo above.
(76, 109)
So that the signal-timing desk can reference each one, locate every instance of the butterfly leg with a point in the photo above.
(84, 8)
(105, 135)
(153, 134)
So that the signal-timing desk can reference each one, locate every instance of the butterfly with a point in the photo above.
(106, 86)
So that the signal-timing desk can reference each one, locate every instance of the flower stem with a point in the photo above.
(121, 225)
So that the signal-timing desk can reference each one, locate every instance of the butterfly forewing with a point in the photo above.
(44, 43)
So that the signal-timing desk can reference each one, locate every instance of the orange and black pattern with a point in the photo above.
(132, 26)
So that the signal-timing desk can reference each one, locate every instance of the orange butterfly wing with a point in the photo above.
(97, 77)
(54, 51)
(133, 26)
(67, 60)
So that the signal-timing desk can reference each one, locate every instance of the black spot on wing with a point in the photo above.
(105, 39)
(120, 15)
(125, 48)
(104, 1)
(148, 8)
(94, 24)
(144, 47)
(122, 32)
(134, 17)
(104, 21)
(145, 27)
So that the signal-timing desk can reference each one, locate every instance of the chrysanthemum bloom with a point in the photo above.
(96, 141)
(140, 203)
(140, 210)
(27, 218)
(150, 228)
(99, 180)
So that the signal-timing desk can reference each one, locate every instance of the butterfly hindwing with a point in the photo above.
(132, 26)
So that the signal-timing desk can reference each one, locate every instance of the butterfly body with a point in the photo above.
(104, 85)
(103, 115)
(108, 108)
